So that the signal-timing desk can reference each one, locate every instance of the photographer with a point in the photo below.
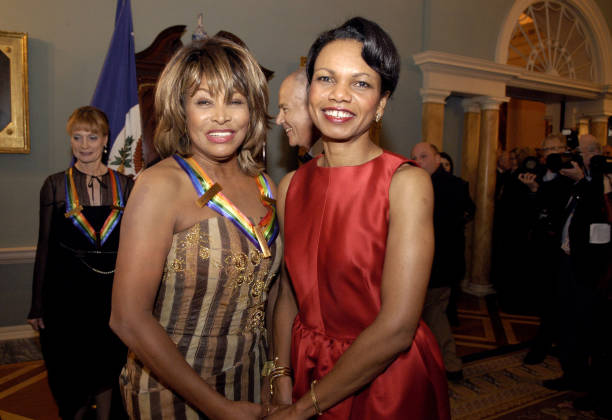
(550, 190)
(584, 288)
(582, 263)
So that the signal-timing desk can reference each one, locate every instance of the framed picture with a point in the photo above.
(14, 112)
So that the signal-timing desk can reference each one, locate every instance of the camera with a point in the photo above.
(530, 165)
(601, 164)
(557, 161)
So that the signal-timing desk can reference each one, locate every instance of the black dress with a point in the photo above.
(72, 286)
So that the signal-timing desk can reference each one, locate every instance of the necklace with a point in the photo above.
(74, 210)
(263, 234)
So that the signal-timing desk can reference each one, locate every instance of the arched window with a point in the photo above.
(550, 38)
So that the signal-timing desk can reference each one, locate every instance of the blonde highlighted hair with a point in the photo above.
(89, 118)
(227, 68)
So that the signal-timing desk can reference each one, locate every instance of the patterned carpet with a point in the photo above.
(502, 387)
(495, 385)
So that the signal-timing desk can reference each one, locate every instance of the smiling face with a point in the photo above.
(293, 111)
(344, 92)
(217, 127)
(87, 145)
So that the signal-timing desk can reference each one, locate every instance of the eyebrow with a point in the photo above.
(333, 72)
(202, 89)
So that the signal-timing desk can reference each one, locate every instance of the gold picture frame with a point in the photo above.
(14, 111)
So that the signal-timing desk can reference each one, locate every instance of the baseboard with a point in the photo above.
(16, 332)
(19, 343)
(17, 255)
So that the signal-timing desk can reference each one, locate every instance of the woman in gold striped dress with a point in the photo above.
(199, 244)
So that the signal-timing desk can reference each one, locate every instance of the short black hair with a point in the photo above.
(450, 160)
(378, 51)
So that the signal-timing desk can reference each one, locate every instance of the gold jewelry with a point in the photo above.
(273, 371)
(378, 117)
(315, 402)
(267, 368)
(277, 372)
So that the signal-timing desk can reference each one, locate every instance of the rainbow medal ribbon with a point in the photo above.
(261, 235)
(74, 210)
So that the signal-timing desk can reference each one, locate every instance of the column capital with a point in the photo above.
(470, 105)
(436, 96)
(491, 102)
(601, 118)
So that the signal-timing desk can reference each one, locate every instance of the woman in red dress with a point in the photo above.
(358, 231)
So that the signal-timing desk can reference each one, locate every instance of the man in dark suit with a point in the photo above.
(452, 207)
(585, 240)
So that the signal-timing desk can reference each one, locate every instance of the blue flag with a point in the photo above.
(117, 95)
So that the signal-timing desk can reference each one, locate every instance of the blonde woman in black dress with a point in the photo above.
(80, 214)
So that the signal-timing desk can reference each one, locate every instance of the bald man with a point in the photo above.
(588, 146)
(452, 207)
(294, 118)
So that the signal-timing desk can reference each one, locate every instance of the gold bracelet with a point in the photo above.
(281, 371)
(273, 371)
(270, 367)
(315, 402)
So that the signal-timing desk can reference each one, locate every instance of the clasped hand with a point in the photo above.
(285, 412)
(280, 406)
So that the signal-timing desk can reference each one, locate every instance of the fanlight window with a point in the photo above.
(550, 38)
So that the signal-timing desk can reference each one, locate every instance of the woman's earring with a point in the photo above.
(378, 117)
(106, 148)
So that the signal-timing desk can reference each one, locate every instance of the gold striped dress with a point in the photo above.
(211, 302)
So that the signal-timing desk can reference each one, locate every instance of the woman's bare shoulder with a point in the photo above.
(410, 182)
(283, 185)
(159, 183)
(410, 174)
(163, 175)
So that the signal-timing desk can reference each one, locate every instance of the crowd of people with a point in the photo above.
(552, 257)
(235, 299)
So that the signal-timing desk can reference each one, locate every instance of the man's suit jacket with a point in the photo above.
(586, 207)
(452, 208)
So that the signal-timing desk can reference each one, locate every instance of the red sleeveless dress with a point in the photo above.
(336, 223)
